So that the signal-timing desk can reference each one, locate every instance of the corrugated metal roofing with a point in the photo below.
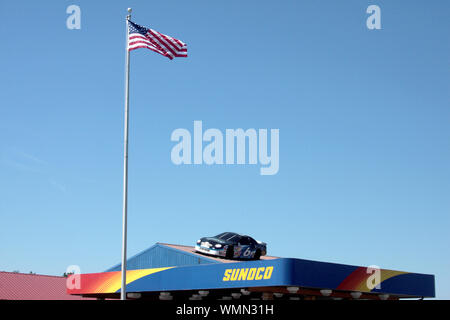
(23, 286)
(169, 255)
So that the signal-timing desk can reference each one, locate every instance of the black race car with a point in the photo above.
(231, 245)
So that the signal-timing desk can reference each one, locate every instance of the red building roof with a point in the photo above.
(23, 286)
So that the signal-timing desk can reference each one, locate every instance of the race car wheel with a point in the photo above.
(257, 255)
(230, 252)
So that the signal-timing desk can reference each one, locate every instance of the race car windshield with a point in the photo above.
(227, 236)
(220, 235)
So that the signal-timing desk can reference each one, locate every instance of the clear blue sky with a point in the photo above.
(363, 116)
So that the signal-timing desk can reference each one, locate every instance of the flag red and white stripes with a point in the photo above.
(141, 37)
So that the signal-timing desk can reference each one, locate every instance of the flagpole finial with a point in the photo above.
(129, 13)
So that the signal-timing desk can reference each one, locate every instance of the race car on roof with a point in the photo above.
(231, 245)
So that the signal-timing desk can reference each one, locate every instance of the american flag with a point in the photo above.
(141, 37)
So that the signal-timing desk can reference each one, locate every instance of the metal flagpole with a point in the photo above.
(123, 291)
